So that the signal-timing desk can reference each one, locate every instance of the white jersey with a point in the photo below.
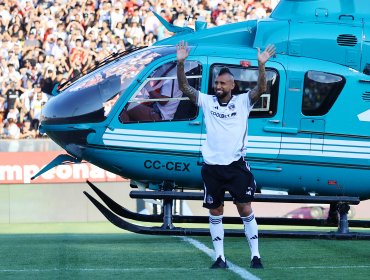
(227, 128)
(170, 89)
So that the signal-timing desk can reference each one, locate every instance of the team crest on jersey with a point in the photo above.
(209, 199)
(231, 107)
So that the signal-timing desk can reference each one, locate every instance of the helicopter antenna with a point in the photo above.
(170, 27)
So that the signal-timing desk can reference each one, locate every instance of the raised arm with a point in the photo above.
(261, 87)
(182, 54)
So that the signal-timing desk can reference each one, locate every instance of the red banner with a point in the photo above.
(19, 167)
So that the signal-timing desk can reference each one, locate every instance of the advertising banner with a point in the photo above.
(19, 167)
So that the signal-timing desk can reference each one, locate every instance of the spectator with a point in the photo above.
(59, 50)
(34, 75)
(39, 100)
(104, 13)
(5, 15)
(13, 74)
(151, 23)
(31, 40)
(12, 94)
(61, 31)
(48, 81)
(135, 31)
(116, 16)
(3, 24)
(88, 39)
(180, 21)
(25, 101)
(26, 131)
(150, 39)
(11, 129)
(78, 52)
(49, 44)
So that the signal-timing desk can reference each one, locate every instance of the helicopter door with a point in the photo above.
(265, 121)
(161, 124)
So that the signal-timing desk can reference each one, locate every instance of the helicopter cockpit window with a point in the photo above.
(90, 98)
(159, 97)
(320, 92)
(246, 79)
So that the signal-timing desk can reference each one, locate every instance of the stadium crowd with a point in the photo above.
(45, 42)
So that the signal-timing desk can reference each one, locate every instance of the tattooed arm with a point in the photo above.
(261, 87)
(187, 90)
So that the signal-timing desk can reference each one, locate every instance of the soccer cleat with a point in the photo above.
(219, 263)
(256, 262)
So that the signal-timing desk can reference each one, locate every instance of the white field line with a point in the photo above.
(175, 269)
(244, 274)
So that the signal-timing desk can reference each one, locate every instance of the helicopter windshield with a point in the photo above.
(90, 98)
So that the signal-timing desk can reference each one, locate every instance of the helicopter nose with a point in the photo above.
(68, 122)
(69, 108)
(68, 136)
(82, 102)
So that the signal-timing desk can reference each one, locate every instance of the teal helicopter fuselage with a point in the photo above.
(310, 132)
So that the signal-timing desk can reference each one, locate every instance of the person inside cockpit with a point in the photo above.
(154, 102)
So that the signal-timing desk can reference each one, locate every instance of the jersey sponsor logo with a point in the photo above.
(223, 116)
(169, 165)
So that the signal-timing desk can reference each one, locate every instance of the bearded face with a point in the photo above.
(224, 84)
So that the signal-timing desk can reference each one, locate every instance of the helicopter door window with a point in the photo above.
(245, 80)
(159, 97)
(320, 92)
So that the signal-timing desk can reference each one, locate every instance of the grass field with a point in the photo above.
(101, 251)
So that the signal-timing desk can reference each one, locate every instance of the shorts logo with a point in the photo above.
(209, 199)
(249, 191)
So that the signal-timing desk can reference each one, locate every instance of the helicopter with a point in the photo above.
(308, 134)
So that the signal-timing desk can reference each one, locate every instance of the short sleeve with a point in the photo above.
(201, 99)
(247, 100)
(166, 89)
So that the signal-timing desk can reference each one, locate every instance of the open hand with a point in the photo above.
(266, 54)
(182, 51)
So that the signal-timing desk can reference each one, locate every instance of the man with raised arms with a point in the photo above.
(224, 169)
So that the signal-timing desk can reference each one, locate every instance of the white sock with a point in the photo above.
(251, 232)
(217, 233)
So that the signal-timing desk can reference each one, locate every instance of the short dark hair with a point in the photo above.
(225, 70)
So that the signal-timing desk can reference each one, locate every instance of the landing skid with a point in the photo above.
(115, 211)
